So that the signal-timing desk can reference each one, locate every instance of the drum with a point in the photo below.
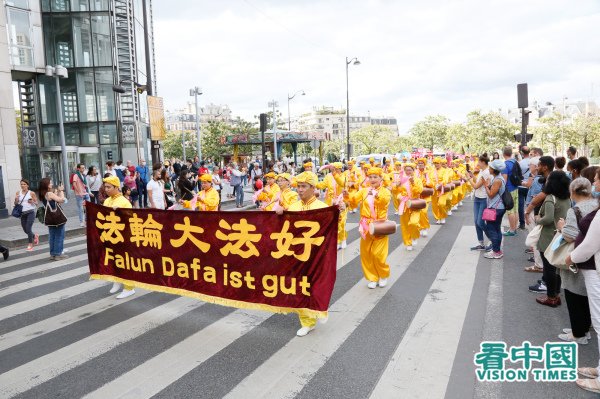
(427, 192)
(457, 183)
(416, 204)
(448, 187)
(382, 227)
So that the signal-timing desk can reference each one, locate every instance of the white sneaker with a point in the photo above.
(116, 287)
(323, 320)
(409, 248)
(372, 284)
(455, 208)
(396, 213)
(339, 246)
(570, 338)
(588, 335)
(415, 243)
(449, 213)
(82, 224)
(425, 233)
(438, 222)
(383, 282)
(125, 293)
(460, 203)
(303, 331)
(344, 244)
(443, 221)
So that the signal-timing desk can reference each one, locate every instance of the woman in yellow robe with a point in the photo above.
(374, 202)
(269, 193)
(440, 195)
(208, 197)
(287, 196)
(410, 189)
(334, 184)
(397, 175)
(423, 172)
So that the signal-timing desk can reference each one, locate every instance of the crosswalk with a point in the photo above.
(62, 335)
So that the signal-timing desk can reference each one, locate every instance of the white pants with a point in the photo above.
(592, 285)
(536, 253)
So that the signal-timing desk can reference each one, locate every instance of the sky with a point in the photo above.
(417, 58)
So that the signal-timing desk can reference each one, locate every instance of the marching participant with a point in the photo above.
(208, 197)
(352, 179)
(424, 174)
(287, 196)
(448, 175)
(397, 175)
(410, 189)
(268, 195)
(440, 195)
(116, 200)
(334, 185)
(307, 182)
(374, 202)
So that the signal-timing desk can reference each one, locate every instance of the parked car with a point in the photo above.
(380, 158)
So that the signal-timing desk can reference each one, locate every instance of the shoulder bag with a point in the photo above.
(490, 214)
(54, 217)
(18, 209)
(559, 249)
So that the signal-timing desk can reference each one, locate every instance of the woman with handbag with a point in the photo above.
(481, 197)
(168, 188)
(555, 206)
(54, 217)
(573, 283)
(94, 182)
(25, 206)
(493, 213)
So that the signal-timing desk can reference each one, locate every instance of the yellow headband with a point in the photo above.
(308, 165)
(307, 177)
(285, 176)
(375, 171)
(271, 175)
(338, 165)
(113, 180)
(206, 178)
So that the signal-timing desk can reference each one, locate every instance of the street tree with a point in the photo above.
(487, 131)
(372, 139)
(430, 132)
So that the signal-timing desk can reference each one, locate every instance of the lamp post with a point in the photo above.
(301, 92)
(353, 61)
(562, 126)
(195, 92)
(182, 136)
(274, 104)
(58, 72)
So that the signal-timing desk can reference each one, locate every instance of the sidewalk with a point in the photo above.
(12, 235)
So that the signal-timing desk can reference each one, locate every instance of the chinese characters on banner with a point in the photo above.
(255, 260)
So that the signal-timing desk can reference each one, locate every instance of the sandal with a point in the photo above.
(36, 239)
(590, 372)
(534, 269)
(591, 384)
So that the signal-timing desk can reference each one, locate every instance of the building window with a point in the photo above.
(108, 133)
(99, 5)
(59, 40)
(101, 40)
(104, 94)
(87, 96)
(79, 5)
(19, 29)
(82, 39)
(18, 4)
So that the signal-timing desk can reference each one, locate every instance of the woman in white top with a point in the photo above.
(94, 182)
(480, 198)
(216, 182)
(28, 200)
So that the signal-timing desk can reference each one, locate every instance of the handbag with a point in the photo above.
(534, 236)
(40, 214)
(558, 250)
(18, 209)
(170, 198)
(489, 215)
(54, 217)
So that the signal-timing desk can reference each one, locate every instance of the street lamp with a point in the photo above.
(274, 104)
(301, 92)
(562, 126)
(58, 72)
(195, 92)
(182, 137)
(353, 61)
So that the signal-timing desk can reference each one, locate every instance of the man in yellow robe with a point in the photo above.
(208, 197)
(334, 184)
(397, 175)
(440, 195)
(423, 172)
(269, 193)
(410, 189)
(115, 199)
(374, 202)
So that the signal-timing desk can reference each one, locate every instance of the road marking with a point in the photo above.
(422, 363)
(293, 366)
(48, 299)
(28, 259)
(41, 268)
(79, 271)
(61, 320)
(42, 369)
(45, 245)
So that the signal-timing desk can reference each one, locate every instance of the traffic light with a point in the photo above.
(519, 136)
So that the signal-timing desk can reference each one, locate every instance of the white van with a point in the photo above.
(381, 158)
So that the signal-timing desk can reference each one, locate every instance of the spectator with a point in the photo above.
(589, 173)
(236, 183)
(28, 200)
(216, 183)
(94, 182)
(127, 194)
(130, 182)
(585, 162)
(110, 168)
(494, 189)
(5, 252)
(167, 188)
(554, 207)
(513, 214)
(524, 164)
(573, 283)
(56, 234)
(586, 256)
(571, 153)
(574, 169)
(102, 194)
(185, 185)
(480, 199)
(256, 172)
(120, 170)
(203, 170)
(144, 173)
(81, 190)
(131, 167)
(560, 162)
(537, 152)
(155, 191)
(495, 156)
(534, 184)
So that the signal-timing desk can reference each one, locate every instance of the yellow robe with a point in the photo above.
(396, 177)
(425, 177)
(334, 184)
(313, 203)
(118, 201)
(208, 200)
(373, 250)
(287, 198)
(409, 220)
(439, 198)
(268, 195)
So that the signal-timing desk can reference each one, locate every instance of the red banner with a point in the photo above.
(255, 260)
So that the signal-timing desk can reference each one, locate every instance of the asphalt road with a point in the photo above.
(64, 336)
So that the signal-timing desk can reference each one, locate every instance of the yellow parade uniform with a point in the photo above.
(409, 219)
(397, 175)
(287, 198)
(313, 203)
(208, 200)
(118, 201)
(427, 183)
(440, 196)
(268, 195)
(334, 184)
(373, 250)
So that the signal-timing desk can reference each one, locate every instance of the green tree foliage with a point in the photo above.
(430, 132)
(487, 131)
(373, 139)
(172, 147)
(584, 132)
(547, 135)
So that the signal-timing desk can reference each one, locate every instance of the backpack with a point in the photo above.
(71, 180)
(507, 199)
(516, 174)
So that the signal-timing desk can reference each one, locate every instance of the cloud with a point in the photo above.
(417, 58)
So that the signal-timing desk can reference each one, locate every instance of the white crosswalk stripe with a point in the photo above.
(284, 374)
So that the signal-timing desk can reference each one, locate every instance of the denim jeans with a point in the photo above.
(143, 195)
(27, 220)
(478, 206)
(80, 201)
(551, 278)
(522, 197)
(56, 239)
(494, 230)
(238, 191)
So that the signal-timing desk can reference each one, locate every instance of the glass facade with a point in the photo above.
(19, 34)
